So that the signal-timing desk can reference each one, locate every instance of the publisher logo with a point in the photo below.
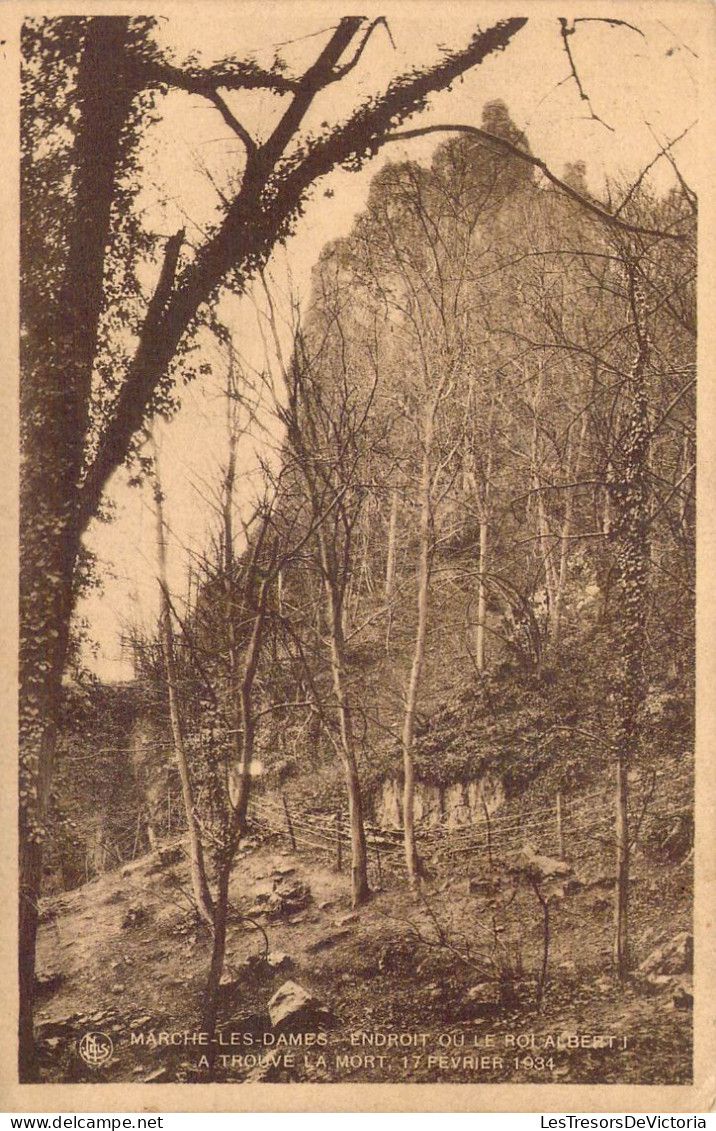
(96, 1049)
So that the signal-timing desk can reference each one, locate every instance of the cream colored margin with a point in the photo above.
(701, 1096)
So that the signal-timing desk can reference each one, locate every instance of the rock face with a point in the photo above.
(294, 1008)
(449, 806)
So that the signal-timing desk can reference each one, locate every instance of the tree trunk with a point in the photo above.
(543, 532)
(359, 856)
(210, 1007)
(629, 494)
(481, 600)
(621, 910)
(572, 473)
(389, 588)
(412, 859)
(200, 885)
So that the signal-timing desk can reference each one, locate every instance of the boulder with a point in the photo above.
(673, 957)
(542, 867)
(288, 899)
(294, 1008)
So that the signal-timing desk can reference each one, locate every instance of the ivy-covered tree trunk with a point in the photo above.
(57, 358)
(628, 493)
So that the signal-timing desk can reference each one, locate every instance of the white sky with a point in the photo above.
(644, 88)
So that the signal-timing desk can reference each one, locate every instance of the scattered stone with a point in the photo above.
(118, 988)
(288, 899)
(293, 1007)
(137, 1021)
(296, 919)
(48, 983)
(326, 904)
(155, 1076)
(682, 994)
(134, 916)
(60, 1026)
(328, 941)
(481, 992)
(276, 959)
(674, 957)
(343, 920)
(278, 874)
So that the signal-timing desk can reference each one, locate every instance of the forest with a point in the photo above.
(410, 750)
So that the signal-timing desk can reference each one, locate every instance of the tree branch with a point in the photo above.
(515, 151)
(229, 75)
(566, 31)
(233, 122)
(342, 71)
(261, 214)
(111, 449)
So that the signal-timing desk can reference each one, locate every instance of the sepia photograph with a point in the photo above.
(357, 546)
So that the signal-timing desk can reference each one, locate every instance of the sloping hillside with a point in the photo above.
(442, 988)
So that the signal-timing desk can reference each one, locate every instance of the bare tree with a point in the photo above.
(200, 886)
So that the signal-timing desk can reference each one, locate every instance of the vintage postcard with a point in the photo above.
(365, 624)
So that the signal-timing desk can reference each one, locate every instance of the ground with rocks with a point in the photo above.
(445, 988)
